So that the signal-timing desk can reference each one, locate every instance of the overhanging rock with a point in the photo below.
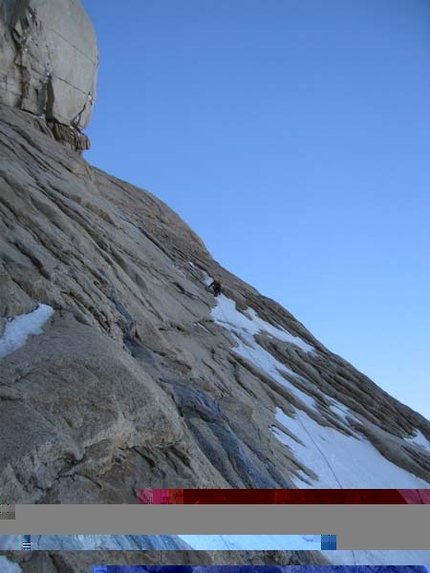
(48, 63)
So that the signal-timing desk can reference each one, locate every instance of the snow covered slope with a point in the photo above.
(336, 459)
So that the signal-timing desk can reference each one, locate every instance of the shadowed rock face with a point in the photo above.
(189, 562)
(82, 561)
(48, 64)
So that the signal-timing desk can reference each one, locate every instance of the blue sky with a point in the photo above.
(293, 136)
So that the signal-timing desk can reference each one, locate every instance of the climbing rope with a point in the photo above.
(253, 359)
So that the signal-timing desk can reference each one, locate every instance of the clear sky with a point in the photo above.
(294, 137)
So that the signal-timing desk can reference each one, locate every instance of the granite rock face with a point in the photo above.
(132, 383)
(48, 64)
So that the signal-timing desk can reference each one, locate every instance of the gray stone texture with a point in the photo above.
(82, 561)
(48, 62)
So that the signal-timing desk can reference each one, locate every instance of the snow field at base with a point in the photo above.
(339, 461)
(7, 566)
(21, 327)
(354, 461)
(253, 542)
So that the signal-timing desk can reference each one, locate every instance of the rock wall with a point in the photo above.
(132, 384)
(81, 561)
(48, 64)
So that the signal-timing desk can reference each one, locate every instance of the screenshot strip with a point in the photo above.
(356, 527)
(253, 569)
(283, 496)
(195, 542)
(7, 511)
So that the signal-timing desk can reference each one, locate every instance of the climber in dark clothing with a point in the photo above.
(216, 286)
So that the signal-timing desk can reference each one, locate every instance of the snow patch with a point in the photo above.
(419, 440)
(225, 314)
(248, 349)
(339, 460)
(21, 327)
(279, 333)
(342, 410)
(242, 330)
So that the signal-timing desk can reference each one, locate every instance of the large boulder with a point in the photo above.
(48, 63)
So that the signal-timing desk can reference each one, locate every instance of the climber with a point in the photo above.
(216, 285)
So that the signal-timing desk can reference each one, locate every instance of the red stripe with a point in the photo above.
(279, 496)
